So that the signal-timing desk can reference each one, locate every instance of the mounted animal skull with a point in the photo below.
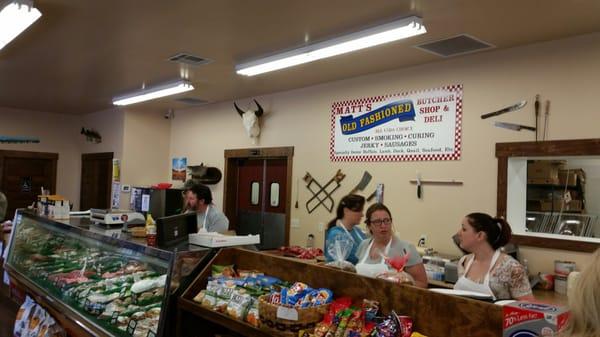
(250, 119)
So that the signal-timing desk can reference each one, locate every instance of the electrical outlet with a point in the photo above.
(422, 241)
(295, 223)
(320, 226)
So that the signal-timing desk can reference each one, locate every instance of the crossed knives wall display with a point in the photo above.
(321, 194)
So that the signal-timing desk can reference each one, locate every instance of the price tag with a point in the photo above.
(151, 333)
(113, 318)
(287, 313)
(131, 327)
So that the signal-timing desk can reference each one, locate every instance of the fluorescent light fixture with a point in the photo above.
(154, 92)
(392, 31)
(15, 17)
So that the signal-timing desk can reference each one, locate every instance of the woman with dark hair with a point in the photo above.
(343, 228)
(486, 269)
(383, 245)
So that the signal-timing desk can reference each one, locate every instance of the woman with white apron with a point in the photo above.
(384, 244)
(503, 277)
(464, 283)
(373, 269)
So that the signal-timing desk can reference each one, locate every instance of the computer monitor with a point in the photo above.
(171, 230)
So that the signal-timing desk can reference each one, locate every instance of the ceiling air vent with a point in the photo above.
(456, 45)
(189, 59)
(191, 101)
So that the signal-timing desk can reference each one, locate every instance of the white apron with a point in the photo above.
(373, 269)
(340, 224)
(464, 283)
(203, 228)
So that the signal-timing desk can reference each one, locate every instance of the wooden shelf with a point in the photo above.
(433, 314)
(234, 325)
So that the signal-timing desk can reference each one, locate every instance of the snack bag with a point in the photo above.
(339, 248)
(355, 324)
(238, 306)
(252, 315)
(370, 310)
(220, 271)
(328, 326)
(389, 327)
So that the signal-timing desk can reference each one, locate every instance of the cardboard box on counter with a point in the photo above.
(533, 319)
(555, 205)
(570, 177)
(544, 171)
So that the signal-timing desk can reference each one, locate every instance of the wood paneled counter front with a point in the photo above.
(434, 314)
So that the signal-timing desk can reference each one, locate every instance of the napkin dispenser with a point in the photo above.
(451, 271)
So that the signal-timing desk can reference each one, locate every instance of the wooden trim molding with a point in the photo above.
(576, 147)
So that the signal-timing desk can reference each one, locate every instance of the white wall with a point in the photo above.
(58, 133)
(565, 71)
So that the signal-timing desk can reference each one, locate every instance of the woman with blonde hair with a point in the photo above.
(584, 302)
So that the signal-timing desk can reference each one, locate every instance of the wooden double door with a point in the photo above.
(257, 193)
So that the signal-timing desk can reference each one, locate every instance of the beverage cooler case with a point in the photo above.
(103, 285)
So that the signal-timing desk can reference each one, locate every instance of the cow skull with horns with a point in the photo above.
(250, 119)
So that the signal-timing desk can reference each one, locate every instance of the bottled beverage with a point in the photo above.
(150, 231)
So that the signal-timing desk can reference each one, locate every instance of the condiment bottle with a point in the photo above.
(150, 231)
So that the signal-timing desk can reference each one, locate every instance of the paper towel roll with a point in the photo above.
(572, 280)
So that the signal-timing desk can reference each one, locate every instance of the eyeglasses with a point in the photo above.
(379, 222)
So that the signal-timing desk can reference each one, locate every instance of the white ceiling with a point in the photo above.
(82, 53)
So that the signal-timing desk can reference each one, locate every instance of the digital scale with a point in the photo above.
(115, 217)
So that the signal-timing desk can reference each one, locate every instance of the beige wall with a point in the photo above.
(146, 141)
(58, 134)
(110, 124)
(565, 71)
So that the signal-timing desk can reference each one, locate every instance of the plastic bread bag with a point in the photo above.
(21, 320)
(397, 277)
(398, 274)
(339, 249)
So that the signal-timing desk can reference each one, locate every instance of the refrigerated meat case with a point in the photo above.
(96, 284)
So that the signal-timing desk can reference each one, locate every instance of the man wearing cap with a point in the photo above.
(198, 198)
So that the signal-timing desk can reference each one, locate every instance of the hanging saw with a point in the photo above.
(513, 107)
(515, 127)
(311, 181)
(316, 200)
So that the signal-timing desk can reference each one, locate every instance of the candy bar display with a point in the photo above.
(119, 289)
(345, 320)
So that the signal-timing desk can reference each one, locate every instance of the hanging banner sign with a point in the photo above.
(411, 126)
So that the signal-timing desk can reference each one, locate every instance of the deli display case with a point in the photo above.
(96, 284)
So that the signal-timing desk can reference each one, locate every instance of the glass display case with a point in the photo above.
(107, 285)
